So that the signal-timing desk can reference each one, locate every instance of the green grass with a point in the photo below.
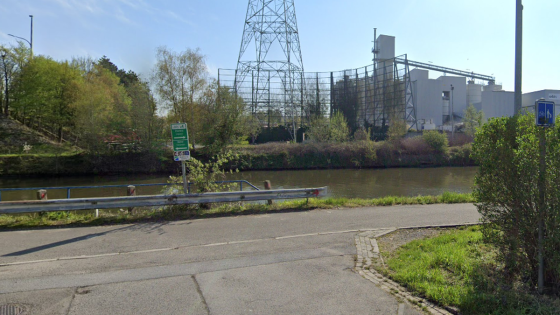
(87, 218)
(457, 269)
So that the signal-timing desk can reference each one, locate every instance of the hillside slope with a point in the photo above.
(14, 135)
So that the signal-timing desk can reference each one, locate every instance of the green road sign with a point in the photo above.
(180, 137)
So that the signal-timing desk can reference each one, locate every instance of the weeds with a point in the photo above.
(182, 212)
(457, 269)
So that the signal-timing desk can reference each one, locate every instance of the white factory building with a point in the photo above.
(434, 98)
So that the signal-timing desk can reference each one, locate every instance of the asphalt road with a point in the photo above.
(286, 263)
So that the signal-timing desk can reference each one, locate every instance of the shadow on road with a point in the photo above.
(147, 228)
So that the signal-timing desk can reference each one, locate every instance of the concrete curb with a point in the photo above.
(367, 253)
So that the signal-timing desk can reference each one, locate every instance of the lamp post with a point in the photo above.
(6, 105)
(452, 119)
(29, 42)
(518, 56)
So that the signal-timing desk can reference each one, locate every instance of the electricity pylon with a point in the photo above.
(271, 32)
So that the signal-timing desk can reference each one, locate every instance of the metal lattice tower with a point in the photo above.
(270, 59)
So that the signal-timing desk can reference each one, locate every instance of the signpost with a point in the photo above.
(545, 113)
(180, 138)
(545, 116)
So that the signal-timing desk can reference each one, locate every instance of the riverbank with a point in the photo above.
(271, 156)
(349, 155)
(88, 218)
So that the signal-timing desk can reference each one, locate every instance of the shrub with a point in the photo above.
(322, 129)
(415, 146)
(436, 140)
(507, 150)
(361, 135)
(459, 139)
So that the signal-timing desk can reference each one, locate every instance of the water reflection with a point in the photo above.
(367, 183)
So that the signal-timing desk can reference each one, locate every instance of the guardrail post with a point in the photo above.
(131, 191)
(268, 186)
(42, 194)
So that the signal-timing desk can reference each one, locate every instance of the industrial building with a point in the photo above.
(436, 99)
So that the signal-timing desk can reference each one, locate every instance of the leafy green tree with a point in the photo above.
(334, 129)
(338, 128)
(181, 82)
(506, 186)
(473, 119)
(12, 60)
(397, 128)
(145, 122)
(226, 120)
(44, 92)
(102, 109)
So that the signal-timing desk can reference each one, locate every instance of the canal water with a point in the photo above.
(366, 183)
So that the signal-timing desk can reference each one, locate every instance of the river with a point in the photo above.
(365, 183)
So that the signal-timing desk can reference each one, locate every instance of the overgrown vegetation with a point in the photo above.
(507, 189)
(81, 218)
(436, 140)
(458, 269)
(335, 129)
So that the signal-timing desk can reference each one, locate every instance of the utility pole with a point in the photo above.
(452, 118)
(518, 56)
(31, 44)
(6, 104)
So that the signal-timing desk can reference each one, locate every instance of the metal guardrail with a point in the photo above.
(69, 188)
(12, 207)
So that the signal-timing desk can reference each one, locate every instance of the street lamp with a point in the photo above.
(452, 119)
(29, 42)
(6, 106)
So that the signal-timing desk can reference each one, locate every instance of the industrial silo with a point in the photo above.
(474, 93)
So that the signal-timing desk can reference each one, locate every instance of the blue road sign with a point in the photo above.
(545, 113)
(181, 156)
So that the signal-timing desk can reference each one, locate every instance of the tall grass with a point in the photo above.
(81, 218)
(457, 269)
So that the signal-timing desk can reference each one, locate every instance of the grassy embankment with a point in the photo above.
(272, 156)
(87, 218)
(411, 152)
(458, 269)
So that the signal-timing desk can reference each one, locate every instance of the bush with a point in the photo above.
(415, 146)
(507, 150)
(336, 129)
(361, 135)
(436, 140)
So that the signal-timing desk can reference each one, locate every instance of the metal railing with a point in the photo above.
(13, 207)
(69, 188)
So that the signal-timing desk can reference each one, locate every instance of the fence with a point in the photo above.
(70, 188)
(368, 97)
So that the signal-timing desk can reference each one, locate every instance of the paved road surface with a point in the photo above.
(286, 263)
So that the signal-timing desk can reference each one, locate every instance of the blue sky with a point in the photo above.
(478, 35)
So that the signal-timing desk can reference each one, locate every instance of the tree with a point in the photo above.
(397, 128)
(334, 129)
(44, 91)
(506, 187)
(225, 119)
(102, 109)
(145, 122)
(181, 81)
(473, 120)
(13, 60)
